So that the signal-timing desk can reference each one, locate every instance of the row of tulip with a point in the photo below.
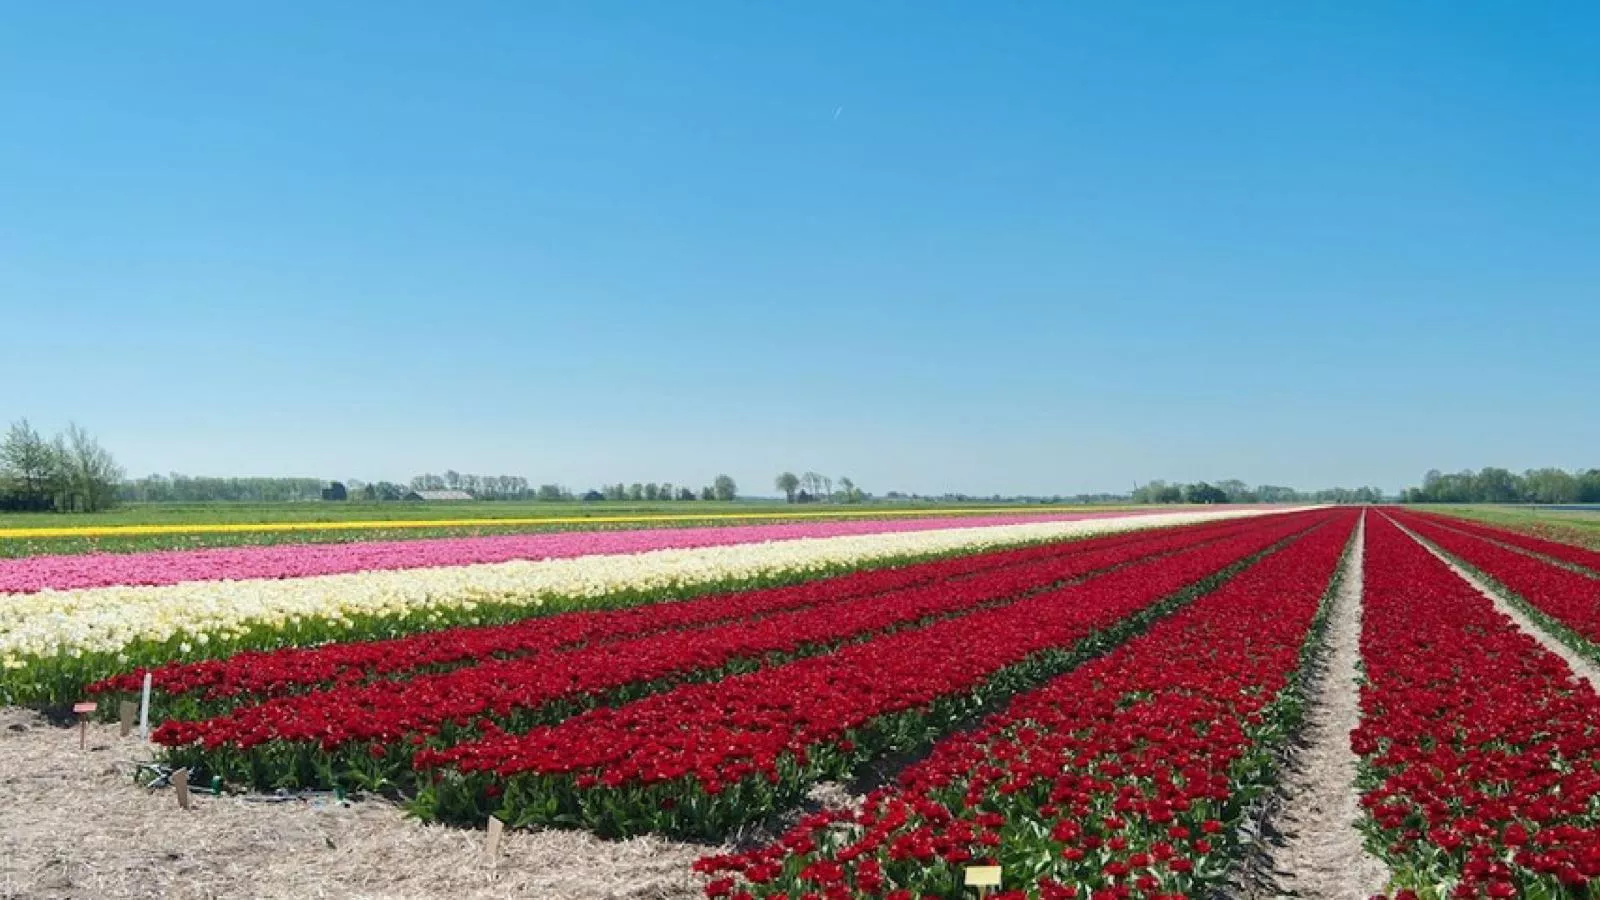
(163, 567)
(701, 759)
(1126, 778)
(1566, 602)
(256, 675)
(1481, 758)
(1567, 553)
(362, 733)
(54, 643)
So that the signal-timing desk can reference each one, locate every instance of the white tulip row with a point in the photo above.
(107, 620)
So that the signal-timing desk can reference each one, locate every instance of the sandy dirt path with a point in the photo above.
(1311, 847)
(74, 824)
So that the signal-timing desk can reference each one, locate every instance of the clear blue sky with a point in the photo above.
(1038, 247)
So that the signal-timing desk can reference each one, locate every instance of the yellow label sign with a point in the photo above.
(983, 876)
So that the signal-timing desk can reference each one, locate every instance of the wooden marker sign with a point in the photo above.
(144, 710)
(983, 878)
(125, 713)
(497, 827)
(83, 709)
(180, 782)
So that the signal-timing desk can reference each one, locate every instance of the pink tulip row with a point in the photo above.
(162, 567)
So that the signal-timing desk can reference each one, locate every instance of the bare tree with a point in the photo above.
(91, 474)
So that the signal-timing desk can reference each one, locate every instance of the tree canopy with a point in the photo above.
(69, 473)
(1495, 485)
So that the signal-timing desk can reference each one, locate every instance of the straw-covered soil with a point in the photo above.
(77, 825)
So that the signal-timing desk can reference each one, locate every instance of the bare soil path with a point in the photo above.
(1311, 847)
(73, 824)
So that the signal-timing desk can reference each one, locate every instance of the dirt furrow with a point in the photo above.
(1310, 847)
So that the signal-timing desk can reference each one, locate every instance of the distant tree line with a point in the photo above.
(179, 488)
(1492, 485)
(70, 472)
(954, 497)
(513, 487)
(650, 492)
(176, 488)
(816, 488)
(1235, 491)
(485, 487)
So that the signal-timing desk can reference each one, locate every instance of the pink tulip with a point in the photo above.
(158, 567)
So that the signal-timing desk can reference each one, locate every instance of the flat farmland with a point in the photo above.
(1109, 703)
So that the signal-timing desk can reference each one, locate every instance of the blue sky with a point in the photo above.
(1034, 247)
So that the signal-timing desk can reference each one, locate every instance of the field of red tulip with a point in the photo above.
(1481, 750)
(1109, 716)
(1131, 772)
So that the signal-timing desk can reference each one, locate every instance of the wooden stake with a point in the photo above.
(492, 845)
(180, 782)
(144, 710)
(125, 713)
(83, 709)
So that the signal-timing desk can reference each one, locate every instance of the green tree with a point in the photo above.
(1204, 493)
(1237, 491)
(30, 467)
(1494, 485)
(89, 472)
(1550, 486)
(724, 488)
(1271, 493)
(787, 482)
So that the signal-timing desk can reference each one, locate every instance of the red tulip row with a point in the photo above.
(1481, 750)
(1125, 778)
(260, 674)
(703, 758)
(349, 722)
(1567, 553)
(1567, 599)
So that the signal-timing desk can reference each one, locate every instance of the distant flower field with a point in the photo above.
(66, 572)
